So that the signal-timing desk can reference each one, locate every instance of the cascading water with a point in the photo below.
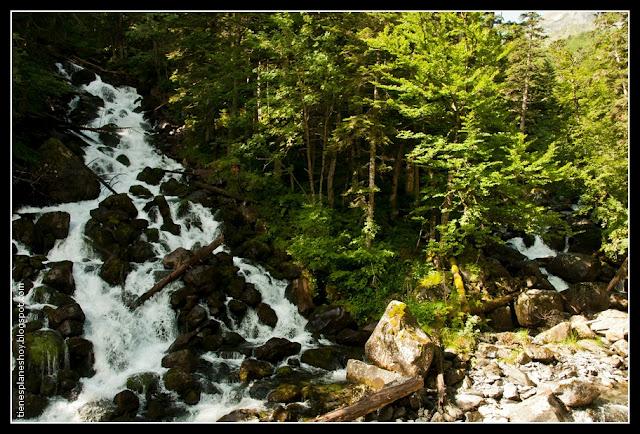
(539, 250)
(128, 342)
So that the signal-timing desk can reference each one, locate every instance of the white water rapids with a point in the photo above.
(127, 342)
(539, 250)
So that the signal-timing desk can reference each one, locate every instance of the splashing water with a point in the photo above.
(539, 250)
(128, 342)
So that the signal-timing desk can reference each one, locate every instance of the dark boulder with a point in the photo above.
(120, 202)
(353, 338)
(141, 251)
(251, 296)
(23, 231)
(68, 312)
(587, 237)
(34, 405)
(285, 393)
(162, 407)
(178, 297)
(114, 271)
(145, 383)
(81, 358)
(183, 359)
(196, 316)
(27, 267)
(533, 277)
(185, 384)
(173, 187)
(298, 292)
(267, 315)
(127, 403)
(86, 108)
(60, 277)
(47, 295)
(255, 249)
(328, 358)
(189, 340)
(151, 175)
(109, 135)
(152, 235)
(329, 320)
(178, 257)
(500, 319)
(140, 191)
(276, 349)
(51, 226)
(82, 77)
(122, 159)
(70, 327)
(237, 308)
(63, 177)
(574, 267)
(586, 297)
(200, 276)
(252, 369)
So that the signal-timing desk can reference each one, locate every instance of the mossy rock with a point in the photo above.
(47, 295)
(152, 234)
(43, 347)
(285, 393)
(144, 382)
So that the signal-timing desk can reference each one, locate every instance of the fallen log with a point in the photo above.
(622, 272)
(494, 303)
(374, 401)
(197, 257)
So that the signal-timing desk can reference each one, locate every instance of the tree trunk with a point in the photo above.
(325, 135)
(397, 168)
(197, 257)
(305, 120)
(525, 94)
(372, 193)
(330, 176)
(622, 272)
(374, 401)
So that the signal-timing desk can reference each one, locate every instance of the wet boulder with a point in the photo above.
(27, 267)
(276, 349)
(120, 202)
(586, 297)
(509, 257)
(178, 257)
(145, 383)
(267, 315)
(151, 176)
(533, 277)
(255, 249)
(60, 277)
(329, 320)
(185, 384)
(44, 353)
(574, 267)
(47, 295)
(23, 230)
(140, 191)
(97, 411)
(252, 369)
(124, 160)
(200, 275)
(329, 358)
(141, 251)
(51, 226)
(67, 312)
(250, 295)
(399, 344)
(173, 187)
(536, 306)
(127, 403)
(285, 393)
(82, 77)
(86, 108)
(178, 298)
(81, 357)
(109, 135)
(195, 317)
(71, 327)
(185, 360)
(238, 309)
(298, 292)
(114, 271)
(162, 407)
(63, 175)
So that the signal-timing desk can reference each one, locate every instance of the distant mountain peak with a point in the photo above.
(562, 24)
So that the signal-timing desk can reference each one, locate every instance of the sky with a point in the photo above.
(513, 15)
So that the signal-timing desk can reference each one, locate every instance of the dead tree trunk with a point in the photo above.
(374, 401)
(197, 257)
(622, 272)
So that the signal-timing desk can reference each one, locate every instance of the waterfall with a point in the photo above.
(128, 342)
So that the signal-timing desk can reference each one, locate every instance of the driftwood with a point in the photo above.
(440, 383)
(622, 272)
(197, 257)
(374, 401)
(75, 59)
